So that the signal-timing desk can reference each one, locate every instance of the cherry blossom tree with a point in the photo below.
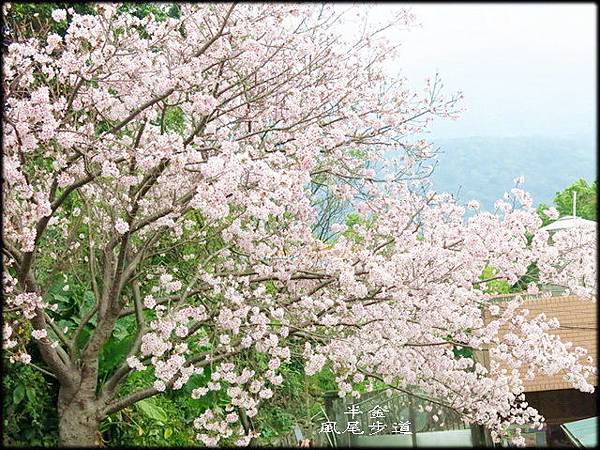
(196, 173)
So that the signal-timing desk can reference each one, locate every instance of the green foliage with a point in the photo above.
(494, 286)
(563, 201)
(353, 221)
(462, 352)
(117, 347)
(27, 19)
(149, 408)
(74, 300)
(531, 276)
(540, 212)
(500, 287)
(29, 407)
(174, 120)
(296, 401)
(586, 199)
(160, 11)
(165, 420)
(153, 422)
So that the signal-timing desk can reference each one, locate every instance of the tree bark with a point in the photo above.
(78, 424)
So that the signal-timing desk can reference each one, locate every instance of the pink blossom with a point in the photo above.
(39, 334)
(59, 15)
(149, 302)
(121, 226)
(552, 213)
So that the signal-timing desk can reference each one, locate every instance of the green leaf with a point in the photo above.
(120, 331)
(60, 298)
(174, 119)
(463, 352)
(89, 299)
(83, 336)
(113, 352)
(151, 410)
(30, 395)
(168, 433)
(88, 302)
(18, 394)
(61, 324)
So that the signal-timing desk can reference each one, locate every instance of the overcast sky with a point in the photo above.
(524, 69)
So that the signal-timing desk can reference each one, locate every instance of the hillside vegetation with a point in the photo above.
(482, 168)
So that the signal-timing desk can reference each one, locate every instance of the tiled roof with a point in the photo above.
(578, 324)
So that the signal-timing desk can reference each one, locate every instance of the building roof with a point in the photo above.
(583, 432)
(569, 222)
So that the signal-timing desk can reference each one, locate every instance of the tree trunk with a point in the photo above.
(77, 420)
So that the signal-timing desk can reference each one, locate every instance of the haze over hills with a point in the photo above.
(483, 168)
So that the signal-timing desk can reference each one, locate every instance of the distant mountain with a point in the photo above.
(483, 168)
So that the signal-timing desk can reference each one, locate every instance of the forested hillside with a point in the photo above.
(482, 168)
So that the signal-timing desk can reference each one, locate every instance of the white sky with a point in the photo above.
(524, 69)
